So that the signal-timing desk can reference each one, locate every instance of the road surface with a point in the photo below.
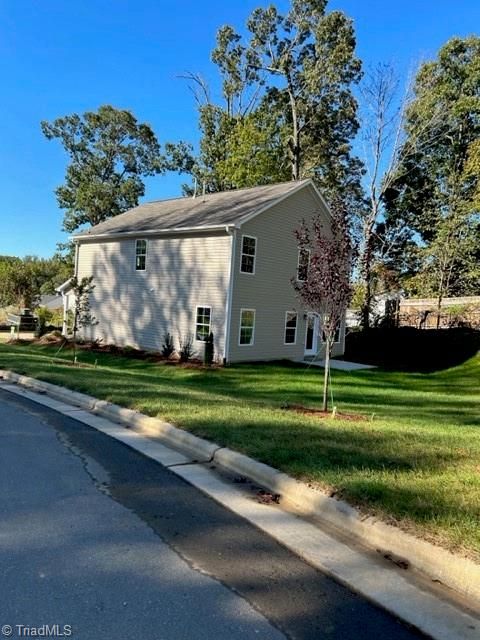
(106, 544)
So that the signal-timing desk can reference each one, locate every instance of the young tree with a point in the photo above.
(82, 315)
(326, 289)
(110, 152)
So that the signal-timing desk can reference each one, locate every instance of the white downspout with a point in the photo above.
(232, 232)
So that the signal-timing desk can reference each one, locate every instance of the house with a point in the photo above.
(220, 263)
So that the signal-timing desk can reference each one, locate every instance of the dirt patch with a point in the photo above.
(319, 413)
(52, 338)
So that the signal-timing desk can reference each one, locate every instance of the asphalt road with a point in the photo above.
(107, 544)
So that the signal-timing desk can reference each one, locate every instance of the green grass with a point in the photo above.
(417, 462)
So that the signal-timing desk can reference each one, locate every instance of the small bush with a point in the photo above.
(186, 350)
(44, 318)
(168, 348)
(208, 354)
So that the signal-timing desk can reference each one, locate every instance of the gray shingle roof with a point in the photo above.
(211, 210)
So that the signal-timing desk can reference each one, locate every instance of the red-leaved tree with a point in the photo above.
(324, 288)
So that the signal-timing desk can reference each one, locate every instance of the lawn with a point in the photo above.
(414, 460)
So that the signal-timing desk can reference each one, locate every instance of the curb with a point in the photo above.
(438, 564)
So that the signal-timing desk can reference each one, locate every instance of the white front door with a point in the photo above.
(311, 334)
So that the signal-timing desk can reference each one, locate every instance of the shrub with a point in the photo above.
(186, 350)
(410, 349)
(209, 351)
(168, 348)
(44, 318)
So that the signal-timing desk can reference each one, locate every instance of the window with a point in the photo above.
(140, 255)
(303, 263)
(247, 326)
(202, 323)
(290, 327)
(336, 337)
(249, 247)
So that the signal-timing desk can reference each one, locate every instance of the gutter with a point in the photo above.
(145, 233)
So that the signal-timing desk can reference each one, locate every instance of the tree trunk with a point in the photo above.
(326, 375)
(366, 275)
(295, 133)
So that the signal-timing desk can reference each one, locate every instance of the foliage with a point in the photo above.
(109, 152)
(24, 280)
(411, 349)
(435, 193)
(44, 318)
(289, 108)
(185, 349)
(326, 290)
(168, 347)
(208, 354)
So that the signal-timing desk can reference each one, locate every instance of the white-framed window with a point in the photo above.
(290, 327)
(303, 264)
(247, 327)
(140, 255)
(336, 337)
(249, 250)
(202, 323)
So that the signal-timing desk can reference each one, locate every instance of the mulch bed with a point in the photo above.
(319, 413)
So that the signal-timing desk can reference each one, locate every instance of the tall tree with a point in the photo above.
(436, 190)
(110, 152)
(325, 289)
(385, 243)
(295, 72)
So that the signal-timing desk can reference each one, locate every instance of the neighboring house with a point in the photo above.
(51, 302)
(383, 305)
(220, 262)
(68, 301)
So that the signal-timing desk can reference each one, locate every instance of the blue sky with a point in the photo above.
(59, 57)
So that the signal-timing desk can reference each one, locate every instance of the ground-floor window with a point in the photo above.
(247, 326)
(202, 323)
(290, 327)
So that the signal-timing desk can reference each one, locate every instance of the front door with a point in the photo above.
(311, 334)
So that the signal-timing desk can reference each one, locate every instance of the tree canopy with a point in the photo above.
(110, 152)
(289, 106)
(436, 192)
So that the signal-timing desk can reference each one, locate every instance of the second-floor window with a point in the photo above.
(303, 264)
(249, 249)
(140, 255)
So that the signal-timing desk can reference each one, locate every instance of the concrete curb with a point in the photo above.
(458, 573)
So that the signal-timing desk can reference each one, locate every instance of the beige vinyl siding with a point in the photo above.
(137, 307)
(269, 291)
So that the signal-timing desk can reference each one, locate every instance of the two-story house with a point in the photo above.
(220, 263)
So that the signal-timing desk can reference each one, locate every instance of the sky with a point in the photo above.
(59, 57)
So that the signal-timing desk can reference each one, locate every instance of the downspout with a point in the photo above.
(232, 232)
(75, 264)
